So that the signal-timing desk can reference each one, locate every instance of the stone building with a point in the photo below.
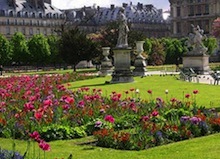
(29, 17)
(196, 12)
(144, 18)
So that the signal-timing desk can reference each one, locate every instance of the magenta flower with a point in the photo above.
(35, 135)
(44, 146)
(195, 120)
(38, 115)
(155, 113)
(69, 100)
(81, 104)
(109, 118)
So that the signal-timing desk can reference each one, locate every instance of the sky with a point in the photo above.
(67, 4)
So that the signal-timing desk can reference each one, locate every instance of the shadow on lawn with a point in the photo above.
(93, 85)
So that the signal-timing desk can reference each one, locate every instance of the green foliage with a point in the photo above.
(5, 50)
(39, 49)
(211, 44)
(53, 42)
(75, 47)
(125, 122)
(20, 52)
(61, 132)
(157, 55)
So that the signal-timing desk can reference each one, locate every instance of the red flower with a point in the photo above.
(149, 91)
(38, 115)
(195, 92)
(187, 95)
(173, 100)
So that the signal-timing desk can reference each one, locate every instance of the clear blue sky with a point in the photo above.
(66, 4)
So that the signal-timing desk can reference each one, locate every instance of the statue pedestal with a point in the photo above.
(122, 62)
(199, 63)
(140, 63)
(140, 67)
(106, 64)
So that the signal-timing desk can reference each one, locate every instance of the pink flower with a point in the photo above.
(69, 100)
(155, 113)
(44, 146)
(47, 102)
(35, 135)
(81, 104)
(109, 118)
(38, 115)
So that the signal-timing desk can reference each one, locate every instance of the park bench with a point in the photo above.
(187, 74)
(216, 76)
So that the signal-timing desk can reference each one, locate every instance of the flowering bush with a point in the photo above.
(43, 108)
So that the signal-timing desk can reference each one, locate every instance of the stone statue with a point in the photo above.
(195, 41)
(123, 30)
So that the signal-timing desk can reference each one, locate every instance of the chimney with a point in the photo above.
(48, 1)
(124, 5)
(112, 6)
(12, 3)
(140, 6)
(40, 3)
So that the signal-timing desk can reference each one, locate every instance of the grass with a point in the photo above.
(208, 95)
(198, 148)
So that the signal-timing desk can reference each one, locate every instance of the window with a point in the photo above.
(8, 30)
(24, 31)
(26, 14)
(206, 9)
(178, 27)
(33, 15)
(178, 11)
(19, 14)
(10, 14)
(8, 22)
(199, 10)
(2, 12)
(31, 31)
(191, 10)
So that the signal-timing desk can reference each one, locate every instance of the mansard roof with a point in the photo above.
(135, 14)
(23, 6)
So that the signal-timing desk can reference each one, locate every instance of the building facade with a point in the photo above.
(196, 12)
(29, 17)
(145, 18)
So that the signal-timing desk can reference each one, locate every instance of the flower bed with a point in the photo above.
(42, 109)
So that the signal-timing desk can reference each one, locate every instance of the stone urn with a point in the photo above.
(139, 63)
(105, 52)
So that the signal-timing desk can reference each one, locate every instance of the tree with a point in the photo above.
(216, 28)
(55, 56)
(5, 50)
(157, 55)
(75, 47)
(211, 44)
(39, 49)
(20, 52)
(174, 49)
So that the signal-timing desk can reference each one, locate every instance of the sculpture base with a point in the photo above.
(199, 63)
(140, 67)
(106, 68)
(122, 63)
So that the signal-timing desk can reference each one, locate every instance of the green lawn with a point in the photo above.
(208, 95)
(199, 148)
